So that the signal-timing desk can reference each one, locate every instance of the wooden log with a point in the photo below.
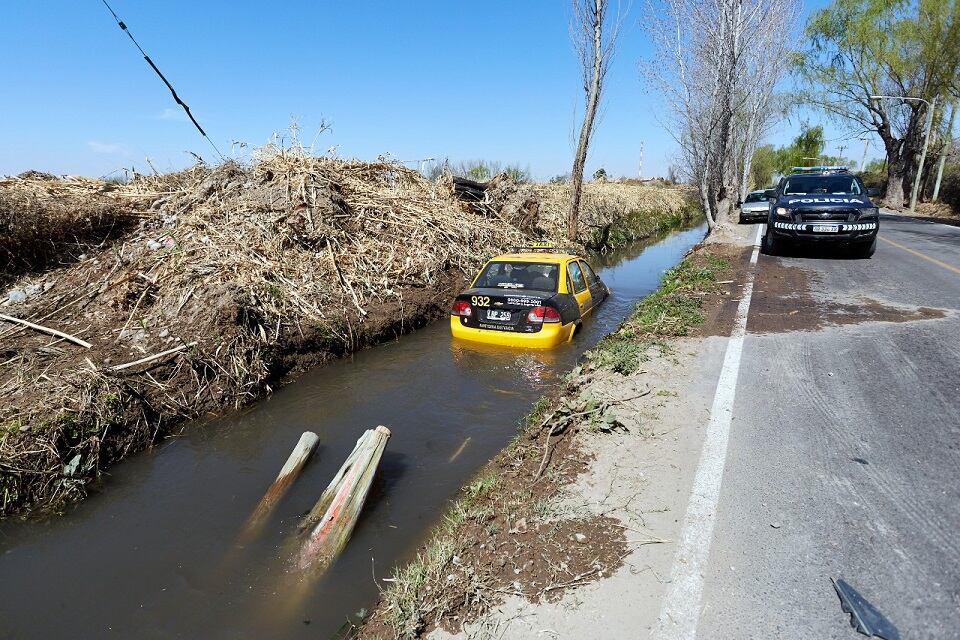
(288, 473)
(332, 519)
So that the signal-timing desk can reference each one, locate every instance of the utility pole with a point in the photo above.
(863, 163)
(842, 147)
(923, 155)
(943, 153)
(640, 165)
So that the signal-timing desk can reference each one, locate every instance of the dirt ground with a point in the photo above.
(934, 212)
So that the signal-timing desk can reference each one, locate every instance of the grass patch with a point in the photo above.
(405, 601)
(670, 311)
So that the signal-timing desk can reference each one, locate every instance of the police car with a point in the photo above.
(822, 205)
(535, 297)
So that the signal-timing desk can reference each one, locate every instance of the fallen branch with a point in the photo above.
(48, 330)
(156, 356)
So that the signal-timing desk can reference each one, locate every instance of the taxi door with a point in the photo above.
(577, 286)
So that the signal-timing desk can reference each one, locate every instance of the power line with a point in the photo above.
(173, 92)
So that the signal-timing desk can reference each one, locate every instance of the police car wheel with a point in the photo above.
(770, 244)
(864, 249)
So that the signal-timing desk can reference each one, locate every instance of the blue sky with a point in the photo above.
(410, 79)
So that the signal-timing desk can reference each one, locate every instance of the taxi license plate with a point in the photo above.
(493, 314)
(826, 228)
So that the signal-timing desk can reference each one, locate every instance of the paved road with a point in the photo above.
(844, 450)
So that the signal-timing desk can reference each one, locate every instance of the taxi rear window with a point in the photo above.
(538, 276)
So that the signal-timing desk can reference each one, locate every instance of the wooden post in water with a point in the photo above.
(332, 519)
(291, 469)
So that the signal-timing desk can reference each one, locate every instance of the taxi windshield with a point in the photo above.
(538, 276)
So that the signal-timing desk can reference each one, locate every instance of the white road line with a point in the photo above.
(756, 243)
(680, 611)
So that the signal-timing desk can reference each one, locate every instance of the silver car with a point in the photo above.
(755, 207)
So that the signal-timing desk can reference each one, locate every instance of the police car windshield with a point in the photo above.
(805, 185)
(519, 275)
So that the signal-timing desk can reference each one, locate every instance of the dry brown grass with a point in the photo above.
(46, 221)
(615, 214)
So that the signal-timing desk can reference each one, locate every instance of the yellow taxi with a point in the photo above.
(535, 297)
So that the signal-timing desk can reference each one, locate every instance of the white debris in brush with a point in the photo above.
(16, 295)
(153, 245)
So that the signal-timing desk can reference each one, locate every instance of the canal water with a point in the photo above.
(155, 554)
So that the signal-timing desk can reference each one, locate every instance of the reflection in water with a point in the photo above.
(154, 555)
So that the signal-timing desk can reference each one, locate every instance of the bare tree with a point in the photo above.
(716, 63)
(594, 35)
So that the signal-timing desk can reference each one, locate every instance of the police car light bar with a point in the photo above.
(821, 169)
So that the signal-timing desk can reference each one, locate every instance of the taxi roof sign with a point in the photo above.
(542, 247)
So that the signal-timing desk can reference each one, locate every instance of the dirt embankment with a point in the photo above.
(514, 533)
(203, 289)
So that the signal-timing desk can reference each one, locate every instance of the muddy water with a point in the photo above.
(155, 554)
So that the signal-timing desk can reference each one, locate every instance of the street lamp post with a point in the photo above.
(926, 138)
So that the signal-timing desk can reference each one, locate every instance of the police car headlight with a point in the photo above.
(782, 212)
(869, 213)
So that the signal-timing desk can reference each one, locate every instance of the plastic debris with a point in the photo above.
(864, 617)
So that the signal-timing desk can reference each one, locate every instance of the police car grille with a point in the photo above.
(828, 214)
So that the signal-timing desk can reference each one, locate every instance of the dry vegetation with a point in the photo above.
(614, 214)
(222, 280)
(44, 220)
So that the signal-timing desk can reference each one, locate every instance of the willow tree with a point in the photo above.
(856, 49)
(594, 33)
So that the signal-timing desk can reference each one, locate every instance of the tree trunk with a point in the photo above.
(593, 98)
(895, 179)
